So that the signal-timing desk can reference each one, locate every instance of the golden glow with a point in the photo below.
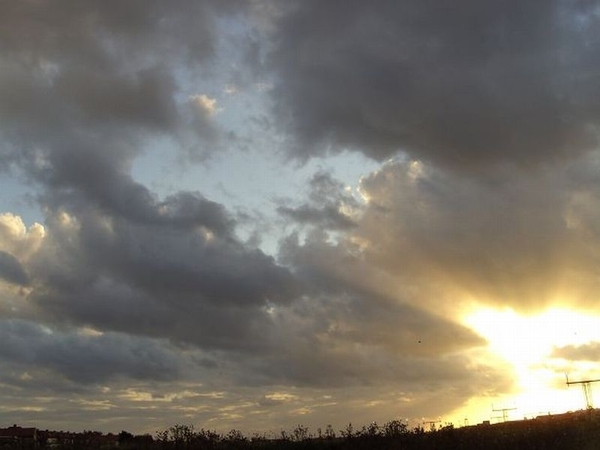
(17, 239)
(416, 170)
(526, 345)
(281, 396)
(89, 332)
(205, 103)
(527, 340)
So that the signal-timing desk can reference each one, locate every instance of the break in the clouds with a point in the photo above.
(138, 294)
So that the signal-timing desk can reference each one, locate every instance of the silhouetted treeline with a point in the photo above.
(567, 431)
(573, 431)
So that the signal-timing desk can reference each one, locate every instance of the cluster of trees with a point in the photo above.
(185, 436)
(572, 431)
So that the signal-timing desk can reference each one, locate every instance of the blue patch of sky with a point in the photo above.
(250, 183)
(18, 197)
(248, 171)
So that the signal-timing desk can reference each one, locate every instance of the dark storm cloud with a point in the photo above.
(11, 269)
(76, 179)
(86, 358)
(78, 76)
(190, 284)
(463, 83)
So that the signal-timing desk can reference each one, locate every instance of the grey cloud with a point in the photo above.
(506, 239)
(184, 285)
(78, 175)
(327, 199)
(325, 188)
(165, 281)
(586, 352)
(201, 135)
(328, 217)
(331, 361)
(86, 358)
(144, 97)
(354, 304)
(189, 209)
(97, 28)
(367, 367)
(349, 330)
(437, 241)
(11, 269)
(85, 85)
(202, 118)
(462, 84)
(182, 317)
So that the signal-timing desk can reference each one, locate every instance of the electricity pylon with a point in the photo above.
(586, 385)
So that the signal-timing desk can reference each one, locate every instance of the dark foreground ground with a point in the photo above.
(571, 431)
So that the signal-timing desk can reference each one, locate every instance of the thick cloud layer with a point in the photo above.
(136, 300)
(85, 357)
(463, 83)
(510, 239)
(11, 269)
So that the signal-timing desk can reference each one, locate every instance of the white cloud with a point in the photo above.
(205, 104)
(17, 239)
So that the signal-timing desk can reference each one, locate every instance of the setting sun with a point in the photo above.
(529, 346)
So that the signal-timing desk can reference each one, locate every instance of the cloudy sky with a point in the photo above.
(254, 214)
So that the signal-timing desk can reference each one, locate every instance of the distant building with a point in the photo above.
(19, 434)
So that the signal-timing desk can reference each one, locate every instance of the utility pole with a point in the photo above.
(586, 385)
(504, 412)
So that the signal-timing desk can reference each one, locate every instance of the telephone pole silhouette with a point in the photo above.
(586, 385)
(504, 412)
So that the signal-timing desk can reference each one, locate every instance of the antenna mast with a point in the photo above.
(586, 385)
(504, 412)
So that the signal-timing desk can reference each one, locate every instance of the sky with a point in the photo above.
(258, 214)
